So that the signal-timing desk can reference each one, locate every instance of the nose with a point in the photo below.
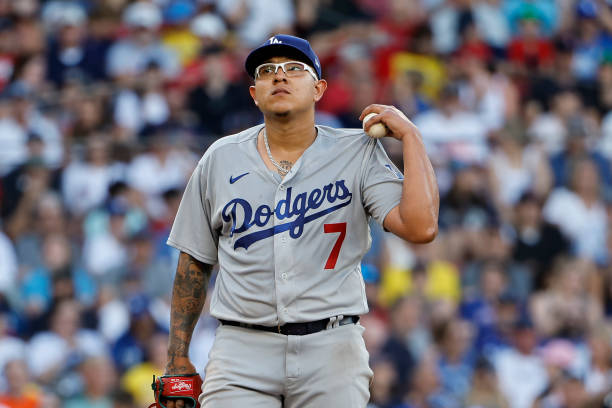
(280, 74)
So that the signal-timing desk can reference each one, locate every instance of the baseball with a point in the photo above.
(377, 130)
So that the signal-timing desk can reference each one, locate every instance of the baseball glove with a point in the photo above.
(175, 387)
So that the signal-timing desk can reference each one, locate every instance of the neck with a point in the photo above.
(291, 136)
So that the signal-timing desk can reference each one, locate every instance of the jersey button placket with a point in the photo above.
(281, 260)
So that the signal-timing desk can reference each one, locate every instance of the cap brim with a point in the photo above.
(264, 53)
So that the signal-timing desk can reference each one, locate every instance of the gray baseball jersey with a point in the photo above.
(289, 250)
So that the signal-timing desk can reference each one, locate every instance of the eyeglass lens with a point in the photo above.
(290, 69)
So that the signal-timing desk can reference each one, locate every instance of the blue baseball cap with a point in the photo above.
(283, 45)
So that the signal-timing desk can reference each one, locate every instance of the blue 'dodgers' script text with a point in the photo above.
(240, 212)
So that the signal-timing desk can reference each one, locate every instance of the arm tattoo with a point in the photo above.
(188, 296)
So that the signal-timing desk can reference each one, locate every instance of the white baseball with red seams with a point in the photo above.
(377, 130)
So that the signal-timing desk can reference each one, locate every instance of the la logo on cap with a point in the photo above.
(274, 40)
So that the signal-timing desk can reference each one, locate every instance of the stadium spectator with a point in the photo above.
(130, 348)
(98, 376)
(72, 53)
(58, 278)
(456, 359)
(452, 133)
(480, 307)
(492, 24)
(383, 383)
(11, 346)
(139, 374)
(566, 309)
(521, 372)
(407, 341)
(220, 101)
(423, 389)
(71, 344)
(105, 255)
(177, 34)
(598, 378)
(580, 213)
(85, 183)
(21, 116)
(130, 57)
(548, 128)
(517, 168)
(20, 391)
(536, 242)
(577, 148)
(485, 389)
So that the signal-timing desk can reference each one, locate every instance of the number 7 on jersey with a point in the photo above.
(333, 256)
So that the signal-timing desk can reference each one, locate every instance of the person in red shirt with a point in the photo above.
(20, 393)
(530, 50)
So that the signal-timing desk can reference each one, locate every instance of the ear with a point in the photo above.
(252, 92)
(320, 88)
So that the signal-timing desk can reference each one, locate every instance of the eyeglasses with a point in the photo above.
(291, 68)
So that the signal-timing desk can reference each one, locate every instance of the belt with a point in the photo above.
(293, 329)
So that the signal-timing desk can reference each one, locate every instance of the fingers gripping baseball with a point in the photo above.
(396, 124)
(376, 130)
(175, 404)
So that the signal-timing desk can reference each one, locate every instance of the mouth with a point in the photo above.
(280, 91)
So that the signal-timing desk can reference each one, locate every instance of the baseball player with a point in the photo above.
(283, 208)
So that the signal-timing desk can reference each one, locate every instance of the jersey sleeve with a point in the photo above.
(192, 231)
(381, 183)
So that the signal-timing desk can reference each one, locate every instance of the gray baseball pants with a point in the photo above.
(258, 369)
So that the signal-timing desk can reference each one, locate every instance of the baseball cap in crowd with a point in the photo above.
(138, 305)
(117, 207)
(208, 25)
(141, 14)
(283, 45)
(586, 9)
(61, 14)
(523, 323)
(179, 11)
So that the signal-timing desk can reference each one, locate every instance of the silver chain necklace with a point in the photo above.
(283, 171)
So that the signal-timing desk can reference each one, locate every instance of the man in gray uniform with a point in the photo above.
(283, 208)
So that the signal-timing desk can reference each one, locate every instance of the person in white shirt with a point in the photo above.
(50, 352)
(85, 183)
(451, 132)
(580, 212)
(521, 371)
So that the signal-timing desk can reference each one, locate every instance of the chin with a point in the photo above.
(281, 110)
(282, 114)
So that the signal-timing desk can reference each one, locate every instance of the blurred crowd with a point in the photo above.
(106, 106)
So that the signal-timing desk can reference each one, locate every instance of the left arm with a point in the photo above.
(415, 218)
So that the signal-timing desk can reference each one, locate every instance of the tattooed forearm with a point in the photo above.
(188, 296)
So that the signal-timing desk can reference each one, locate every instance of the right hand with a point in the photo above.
(178, 365)
(179, 403)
